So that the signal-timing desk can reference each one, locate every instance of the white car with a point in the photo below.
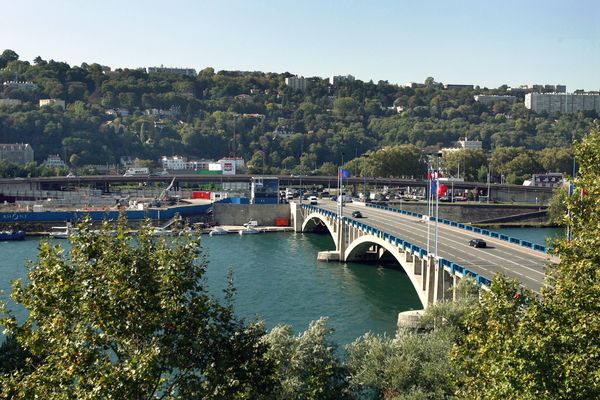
(312, 200)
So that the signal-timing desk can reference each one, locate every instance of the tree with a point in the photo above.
(307, 367)
(520, 346)
(7, 56)
(467, 162)
(125, 317)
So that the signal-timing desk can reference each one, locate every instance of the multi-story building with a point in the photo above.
(457, 86)
(296, 83)
(492, 98)
(334, 80)
(173, 163)
(562, 103)
(19, 85)
(469, 144)
(54, 160)
(176, 71)
(52, 102)
(18, 153)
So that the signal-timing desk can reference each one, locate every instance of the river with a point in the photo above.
(278, 279)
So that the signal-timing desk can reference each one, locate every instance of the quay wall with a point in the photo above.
(472, 213)
(238, 214)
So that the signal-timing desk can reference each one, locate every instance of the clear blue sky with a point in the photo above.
(488, 43)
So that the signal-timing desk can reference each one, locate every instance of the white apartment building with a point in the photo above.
(176, 71)
(335, 79)
(18, 153)
(54, 160)
(562, 103)
(173, 163)
(296, 83)
(492, 98)
(469, 144)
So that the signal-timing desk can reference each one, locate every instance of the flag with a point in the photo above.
(343, 173)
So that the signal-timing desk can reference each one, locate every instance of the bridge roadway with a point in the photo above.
(512, 260)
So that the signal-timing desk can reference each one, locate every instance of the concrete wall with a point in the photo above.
(237, 214)
(470, 212)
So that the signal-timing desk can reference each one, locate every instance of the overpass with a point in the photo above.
(388, 232)
(499, 192)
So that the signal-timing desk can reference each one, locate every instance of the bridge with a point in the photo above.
(498, 192)
(386, 232)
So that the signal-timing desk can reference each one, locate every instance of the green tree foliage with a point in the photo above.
(307, 366)
(391, 161)
(204, 117)
(520, 346)
(465, 162)
(129, 318)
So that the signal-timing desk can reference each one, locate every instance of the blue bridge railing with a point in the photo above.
(405, 245)
(470, 228)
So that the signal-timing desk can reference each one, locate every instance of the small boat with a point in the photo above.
(62, 232)
(217, 230)
(248, 231)
(11, 235)
(158, 231)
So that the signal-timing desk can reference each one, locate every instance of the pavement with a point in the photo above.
(526, 265)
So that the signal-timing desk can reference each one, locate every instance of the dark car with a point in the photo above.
(477, 243)
(356, 214)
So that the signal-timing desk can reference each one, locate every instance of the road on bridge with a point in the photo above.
(512, 260)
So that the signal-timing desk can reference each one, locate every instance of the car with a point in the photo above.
(313, 200)
(356, 214)
(478, 243)
(71, 175)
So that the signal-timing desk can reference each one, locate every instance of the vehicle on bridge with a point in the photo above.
(356, 214)
(478, 243)
(313, 200)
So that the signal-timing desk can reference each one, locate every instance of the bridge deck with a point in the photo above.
(513, 260)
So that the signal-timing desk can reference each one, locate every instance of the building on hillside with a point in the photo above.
(18, 153)
(492, 98)
(469, 144)
(52, 102)
(334, 80)
(549, 179)
(54, 160)
(176, 71)
(413, 85)
(231, 164)
(296, 83)
(174, 163)
(448, 86)
(10, 102)
(19, 85)
(463, 145)
(562, 103)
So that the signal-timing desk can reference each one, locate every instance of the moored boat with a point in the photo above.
(248, 231)
(217, 230)
(11, 235)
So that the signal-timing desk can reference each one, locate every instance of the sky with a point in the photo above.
(485, 43)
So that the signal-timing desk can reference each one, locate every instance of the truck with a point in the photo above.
(137, 171)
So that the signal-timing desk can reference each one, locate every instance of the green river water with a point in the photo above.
(278, 279)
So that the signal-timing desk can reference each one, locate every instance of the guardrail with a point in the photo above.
(470, 228)
(406, 246)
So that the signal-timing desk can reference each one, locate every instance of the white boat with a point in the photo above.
(217, 230)
(158, 231)
(249, 231)
(62, 232)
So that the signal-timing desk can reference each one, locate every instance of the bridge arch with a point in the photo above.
(358, 250)
(313, 222)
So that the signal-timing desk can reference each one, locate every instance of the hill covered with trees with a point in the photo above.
(129, 112)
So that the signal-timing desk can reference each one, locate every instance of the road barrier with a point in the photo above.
(470, 228)
(405, 245)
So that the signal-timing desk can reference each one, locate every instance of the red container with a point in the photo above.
(282, 222)
(201, 195)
